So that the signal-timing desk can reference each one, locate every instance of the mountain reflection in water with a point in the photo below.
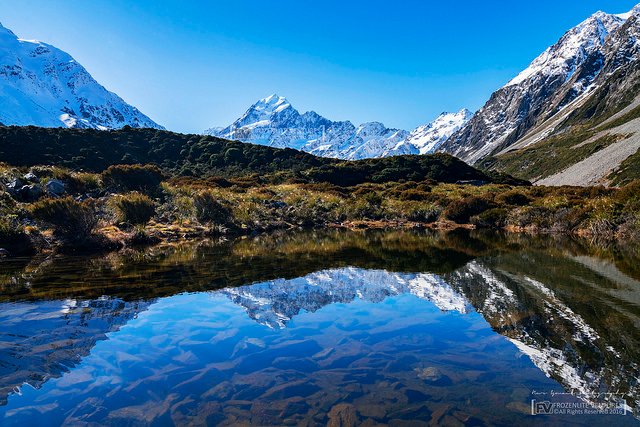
(312, 328)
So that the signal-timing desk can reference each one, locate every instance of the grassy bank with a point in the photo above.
(52, 208)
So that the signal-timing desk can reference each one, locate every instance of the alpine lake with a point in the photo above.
(333, 327)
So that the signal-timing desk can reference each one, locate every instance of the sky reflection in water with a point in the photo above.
(341, 344)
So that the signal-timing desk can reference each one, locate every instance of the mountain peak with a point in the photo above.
(635, 10)
(448, 116)
(564, 57)
(4, 31)
(274, 122)
(274, 99)
(270, 105)
(46, 87)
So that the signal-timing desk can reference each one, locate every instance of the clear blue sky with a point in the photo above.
(190, 65)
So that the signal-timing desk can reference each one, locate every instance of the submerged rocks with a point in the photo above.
(433, 375)
(342, 415)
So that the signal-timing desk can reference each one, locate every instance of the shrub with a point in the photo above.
(492, 218)
(417, 195)
(70, 219)
(423, 213)
(209, 210)
(13, 236)
(532, 216)
(83, 182)
(629, 196)
(134, 208)
(460, 211)
(568, 219)
(143, 178)
(233, 155)
(514, 198)
(372, 198)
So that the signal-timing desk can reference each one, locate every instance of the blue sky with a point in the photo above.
(190, 65)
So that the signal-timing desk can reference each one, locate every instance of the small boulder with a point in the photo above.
(15, 185)
(31, 177)
(4, 253)
(275, 204)
(30, 193)
(55, 187)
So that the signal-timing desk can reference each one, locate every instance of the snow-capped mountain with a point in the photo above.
(536, 317)
(276, 302)
(274, 122)
(428, 138)
(577, 351)
(555, 79)
(55, 336)
(43, 86)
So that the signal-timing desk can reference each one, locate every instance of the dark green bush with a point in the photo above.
(426, 214)
(134, 208)
(568, 219)
(372, 198)
(209, 210)
(514, 198)
(629, 192)
(70, 219)
(460, 211)
(417, 195)
(143, 178)
(492, 218)
(13, 237)
(532, 216)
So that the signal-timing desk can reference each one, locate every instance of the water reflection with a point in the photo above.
(44, 339)
(335, 327)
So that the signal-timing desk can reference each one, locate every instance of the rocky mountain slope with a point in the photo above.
(43, 86)
(570, 117)
(274, 122)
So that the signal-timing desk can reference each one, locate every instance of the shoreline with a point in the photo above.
(112, 239)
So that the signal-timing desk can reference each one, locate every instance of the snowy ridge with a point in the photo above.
(41, 85)
(64, 332)
(564, 57)
(276, 302)
(428, 138)
(554, 339)
(273, 121)
(553, 81)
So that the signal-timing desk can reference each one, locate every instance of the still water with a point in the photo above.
(333, 328)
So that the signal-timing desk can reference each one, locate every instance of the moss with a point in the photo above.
(628, 170)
